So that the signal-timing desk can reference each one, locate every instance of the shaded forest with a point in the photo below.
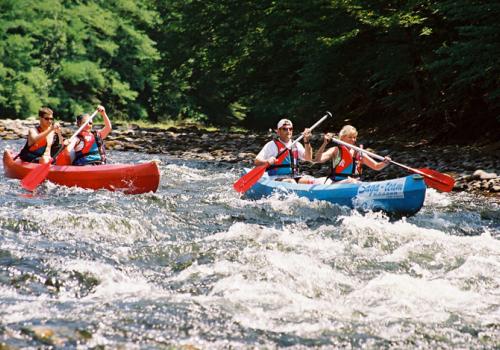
(415, 66)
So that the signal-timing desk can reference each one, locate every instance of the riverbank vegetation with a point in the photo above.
(416, 66)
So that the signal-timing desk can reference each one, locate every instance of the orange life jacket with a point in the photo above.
(35, 151)
(345, 164)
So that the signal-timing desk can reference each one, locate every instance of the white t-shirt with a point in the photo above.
(271, 150)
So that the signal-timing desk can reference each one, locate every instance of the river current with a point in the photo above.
(194, 266)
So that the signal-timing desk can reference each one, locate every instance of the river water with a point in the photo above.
(195, 266)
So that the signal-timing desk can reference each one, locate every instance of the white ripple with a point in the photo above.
(437, 199)
(392, 297)
(88, 225)
(113, 284)
(287, 279)
(25, 307)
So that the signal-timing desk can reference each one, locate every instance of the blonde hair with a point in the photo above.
(348, 130)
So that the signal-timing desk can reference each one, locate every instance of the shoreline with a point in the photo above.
(475, 168)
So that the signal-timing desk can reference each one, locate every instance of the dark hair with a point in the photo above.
(44, 111)
(80, 117)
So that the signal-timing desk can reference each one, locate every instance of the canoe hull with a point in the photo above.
(128, 178)
(401, 196)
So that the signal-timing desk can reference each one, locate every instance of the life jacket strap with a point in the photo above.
(334, 173)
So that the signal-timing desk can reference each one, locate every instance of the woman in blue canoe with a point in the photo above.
(346, 166)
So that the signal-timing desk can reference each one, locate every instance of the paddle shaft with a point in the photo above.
(74, 135)
(39, 174)
(373, 155)
(328, 114)
(249, 179)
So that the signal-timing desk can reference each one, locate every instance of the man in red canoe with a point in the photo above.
(43, 139)
(289, 167)
(347, 163)
(88, 147)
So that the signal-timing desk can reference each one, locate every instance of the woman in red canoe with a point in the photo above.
(88, 147)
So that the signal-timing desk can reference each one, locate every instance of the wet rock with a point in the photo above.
(483, 175)
(131, 146)
(111, 144)
(173, 129)
(44, 335)
(11, 137)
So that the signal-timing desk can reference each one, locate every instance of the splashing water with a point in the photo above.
(195, 265)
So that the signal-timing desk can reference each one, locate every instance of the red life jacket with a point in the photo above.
(289, 165)
(347, 166)
(88, 140)
(92, 151)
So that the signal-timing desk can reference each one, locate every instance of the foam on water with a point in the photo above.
(295, 279)
(90, 225)
(391, 297)
(112, 283)
(197, 265)
(27, 308)
(437, 199)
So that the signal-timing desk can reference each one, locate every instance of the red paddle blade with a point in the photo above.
(249, 179)
(437, 180)
(35, 177)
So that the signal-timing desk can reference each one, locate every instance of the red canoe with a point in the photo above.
(129, 178)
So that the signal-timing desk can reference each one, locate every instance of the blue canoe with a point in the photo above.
(401, 196)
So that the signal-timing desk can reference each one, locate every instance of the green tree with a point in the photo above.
(72, 55)
(250, 62)
(467, 67)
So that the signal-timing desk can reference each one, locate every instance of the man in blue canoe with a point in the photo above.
(289, 166)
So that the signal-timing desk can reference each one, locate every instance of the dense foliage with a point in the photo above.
(427, 62)
(71, 55)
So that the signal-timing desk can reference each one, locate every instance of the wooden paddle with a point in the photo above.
(36, 176)
(249, 179)
(433, 178)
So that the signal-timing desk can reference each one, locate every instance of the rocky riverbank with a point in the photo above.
(476, 168)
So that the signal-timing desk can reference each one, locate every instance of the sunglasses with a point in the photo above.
(46, 118)
(287, 129)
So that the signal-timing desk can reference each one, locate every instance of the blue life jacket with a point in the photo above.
(93, 146)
